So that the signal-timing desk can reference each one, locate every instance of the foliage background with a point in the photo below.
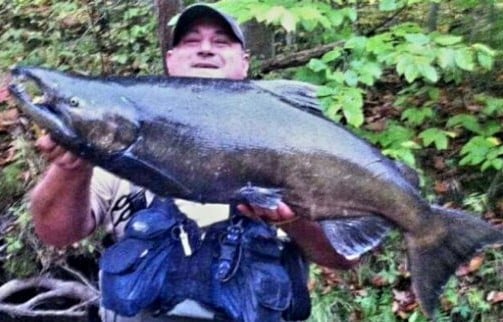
(420, 79)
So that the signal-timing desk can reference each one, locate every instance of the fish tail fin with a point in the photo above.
(452, 239)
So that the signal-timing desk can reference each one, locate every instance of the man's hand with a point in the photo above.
(57, 155)
(307, 234)
(281, 214)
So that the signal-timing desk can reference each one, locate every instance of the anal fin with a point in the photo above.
(353, 236)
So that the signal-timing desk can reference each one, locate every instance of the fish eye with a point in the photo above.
(74, 102)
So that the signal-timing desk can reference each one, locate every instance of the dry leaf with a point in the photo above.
(379, 281)
(439, 163)
(472, 266)
(8, 118)
(8, 156)
(378, 125)
(495, 297)
(4, 92)
(441, 187)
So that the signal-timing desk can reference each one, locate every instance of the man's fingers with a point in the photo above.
(45, 144)
(247, 211)
(67, 160)
(56, 154)
(283, 212)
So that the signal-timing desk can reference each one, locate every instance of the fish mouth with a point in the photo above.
(38, 100)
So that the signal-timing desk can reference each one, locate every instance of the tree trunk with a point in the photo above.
(166, 10)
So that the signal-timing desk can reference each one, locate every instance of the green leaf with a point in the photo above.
(495, 153)
(357, 43)
(274, 14)
(436, 136)
(434, 93)
(464, 59)
(388, 5)
(493, 105)
(416, 116)
(324, 91)
(351, 13)
(484, 49)
(350, 101)
(403, 154)
(411, 73)
(351, 78)
(317, 65)
(336, 77)
(369, 72)
(352, 106)
(497, 164)
(490, 128)
(468, 121)
(332, 55)
(417, 39)
(446, 58)
(289, 21)
(429, 72)
(394, 136)
(485, 60)
(476, 149)
(447, 40)
(380, 45)
(336, 17)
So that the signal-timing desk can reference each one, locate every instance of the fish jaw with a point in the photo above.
(44, 113)
(75, 114)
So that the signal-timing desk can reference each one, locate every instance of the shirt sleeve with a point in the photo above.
(104, 189)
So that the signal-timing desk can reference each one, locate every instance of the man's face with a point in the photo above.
(208, 50)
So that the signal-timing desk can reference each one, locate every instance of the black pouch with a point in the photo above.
(259, 288)
(135, 270)
(297, 269)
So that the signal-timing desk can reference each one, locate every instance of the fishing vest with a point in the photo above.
(237, 268)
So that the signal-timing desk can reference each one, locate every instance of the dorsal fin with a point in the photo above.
(299, 94)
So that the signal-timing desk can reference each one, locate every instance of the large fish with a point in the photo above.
(205, 139)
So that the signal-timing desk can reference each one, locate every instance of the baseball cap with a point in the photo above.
(199, 10)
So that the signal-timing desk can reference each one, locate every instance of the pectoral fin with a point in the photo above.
(352, 237)
(268, 198)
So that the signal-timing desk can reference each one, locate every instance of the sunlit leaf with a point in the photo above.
(411, 73)
(447, 40)
(418, 39)
(464, 59)
(351, 78)
(289, 21)
(388, 5)
(331, 55)
(485, 60)
(351, 102)
(429, 72)
(317, 65)
(446, 58)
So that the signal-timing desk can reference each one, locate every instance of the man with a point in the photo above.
(73, 198)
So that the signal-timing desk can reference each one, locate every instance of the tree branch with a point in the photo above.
(296, 59)
(55, 289)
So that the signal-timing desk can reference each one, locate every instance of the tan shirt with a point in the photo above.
(107, 190)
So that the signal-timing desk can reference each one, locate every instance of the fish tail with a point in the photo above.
(452, 239)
